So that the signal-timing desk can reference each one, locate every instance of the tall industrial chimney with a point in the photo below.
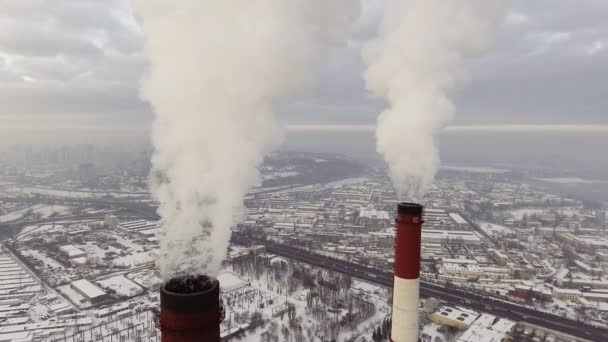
(406, 289)
(190, 310)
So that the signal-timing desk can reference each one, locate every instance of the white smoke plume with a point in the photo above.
(416, 63)
(216, 69)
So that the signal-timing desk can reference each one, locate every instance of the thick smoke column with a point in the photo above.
(216, 68)
(416, 63)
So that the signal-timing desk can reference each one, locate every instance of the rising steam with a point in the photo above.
(216, 68)
(416, 63)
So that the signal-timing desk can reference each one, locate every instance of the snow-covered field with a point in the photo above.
(42, 210)
(48, 210)
(15, 215)
(278, 175)
(29, 229)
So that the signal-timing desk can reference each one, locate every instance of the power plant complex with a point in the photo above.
(191, 310)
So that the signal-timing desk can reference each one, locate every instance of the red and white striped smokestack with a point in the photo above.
(406, 288)
(190, 310)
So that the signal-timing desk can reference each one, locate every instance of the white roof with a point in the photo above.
(477, 333)
(458, 314)
(449, 234)
(371, 212)
(457, 218)
(16, 336)
(149, 232)
(459, 261)
(71, 251)
(80, 260)
(564, 291)
(88, 289)
(487, 328)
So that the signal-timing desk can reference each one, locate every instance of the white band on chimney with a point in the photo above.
(405, 310)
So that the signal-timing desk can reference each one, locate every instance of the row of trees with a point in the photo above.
(383, 331)
(331, 308)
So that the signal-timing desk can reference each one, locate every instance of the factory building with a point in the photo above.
(89, 290)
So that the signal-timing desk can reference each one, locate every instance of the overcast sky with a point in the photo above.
(70, 66)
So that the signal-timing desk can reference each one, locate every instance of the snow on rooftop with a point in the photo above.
(87, 288)
(71, 251)
(457, 218)
(121, 285)
(487, 328)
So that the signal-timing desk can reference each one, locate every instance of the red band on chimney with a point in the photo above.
(407, 246)
(192, 327)
(192, 317)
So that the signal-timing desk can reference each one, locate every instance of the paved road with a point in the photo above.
(451, 295)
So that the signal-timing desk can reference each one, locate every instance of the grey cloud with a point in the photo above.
(70, 57)
(542, 69)
(86, 59)
(29, 39)
(27, 98)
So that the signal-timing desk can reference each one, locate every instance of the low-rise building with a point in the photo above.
(457, 317)
(566, 294)
(72, 251)
(488, 328)
(89, 290)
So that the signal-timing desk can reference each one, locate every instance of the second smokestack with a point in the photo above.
(406, 289)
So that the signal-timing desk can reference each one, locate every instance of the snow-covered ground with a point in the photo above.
(473, 169)
(36, 228)
(76, 193)
(42, 210)
(570, 180)
(518, 214)
(14, 215)
(319, 311)
(57, 273)
(278, 175)
(431, 333)
(48, 210)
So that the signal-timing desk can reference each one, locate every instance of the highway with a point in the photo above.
(450, 295)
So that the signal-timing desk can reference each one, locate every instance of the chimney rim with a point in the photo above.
(409, 209)
(193, 301)
(213, 283)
